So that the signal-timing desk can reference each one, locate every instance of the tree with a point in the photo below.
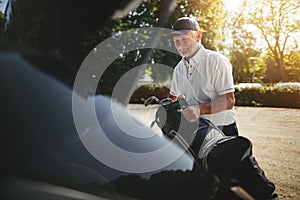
(149, 14)
(273, 75)
(293, 65)
(2, 22)
(277, 22)
(241, 46)
(59, 26)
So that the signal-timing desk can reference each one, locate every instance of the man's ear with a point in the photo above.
(199, 35)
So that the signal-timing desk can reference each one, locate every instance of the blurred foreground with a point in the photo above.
(275, 134)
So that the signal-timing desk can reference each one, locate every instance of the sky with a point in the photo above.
(2, 5)
(232, 4)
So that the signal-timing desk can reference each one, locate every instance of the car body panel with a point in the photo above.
(40, 143)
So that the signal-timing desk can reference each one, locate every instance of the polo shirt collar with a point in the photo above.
(197, 57)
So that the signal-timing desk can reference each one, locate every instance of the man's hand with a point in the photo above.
(191, 113)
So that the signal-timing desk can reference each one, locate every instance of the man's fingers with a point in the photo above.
(180, 110)
(188, 114)
(192, 120)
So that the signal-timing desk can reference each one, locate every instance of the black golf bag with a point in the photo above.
(228, 157)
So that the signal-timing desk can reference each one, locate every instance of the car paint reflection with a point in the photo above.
(40, 143)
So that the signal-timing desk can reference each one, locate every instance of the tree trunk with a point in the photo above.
(283, 72)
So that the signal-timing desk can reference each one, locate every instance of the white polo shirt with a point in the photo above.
(206, 77)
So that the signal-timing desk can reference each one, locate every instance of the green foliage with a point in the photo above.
(155, 13)
(71, 29)
(275, 22)
(249, 97)
(268, 97)
(292, 63)
(288, 97)
(244, 68)
(148, 14)
(2, 22)
(242, 48)
(28, 22)
(59, 27)
(272, 71)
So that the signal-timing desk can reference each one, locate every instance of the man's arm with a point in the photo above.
(225, 102)
(174, 98)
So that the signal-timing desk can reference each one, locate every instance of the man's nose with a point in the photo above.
(179, 43)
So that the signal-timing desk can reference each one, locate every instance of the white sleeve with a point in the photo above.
(174, 89)
(223, 79)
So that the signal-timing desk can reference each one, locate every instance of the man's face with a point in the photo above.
(187, 44)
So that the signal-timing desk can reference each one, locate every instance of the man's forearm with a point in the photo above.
(225, 102)
(174, 98)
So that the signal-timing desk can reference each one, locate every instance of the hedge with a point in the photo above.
(268, 97)
(146, 91)
(263, 96)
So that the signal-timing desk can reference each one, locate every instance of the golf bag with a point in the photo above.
(228, 157)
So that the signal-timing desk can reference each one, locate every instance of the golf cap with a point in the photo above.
(184, 25)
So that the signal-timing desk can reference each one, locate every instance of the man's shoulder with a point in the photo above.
(179, 65)
(214, 54)
(217, 57)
